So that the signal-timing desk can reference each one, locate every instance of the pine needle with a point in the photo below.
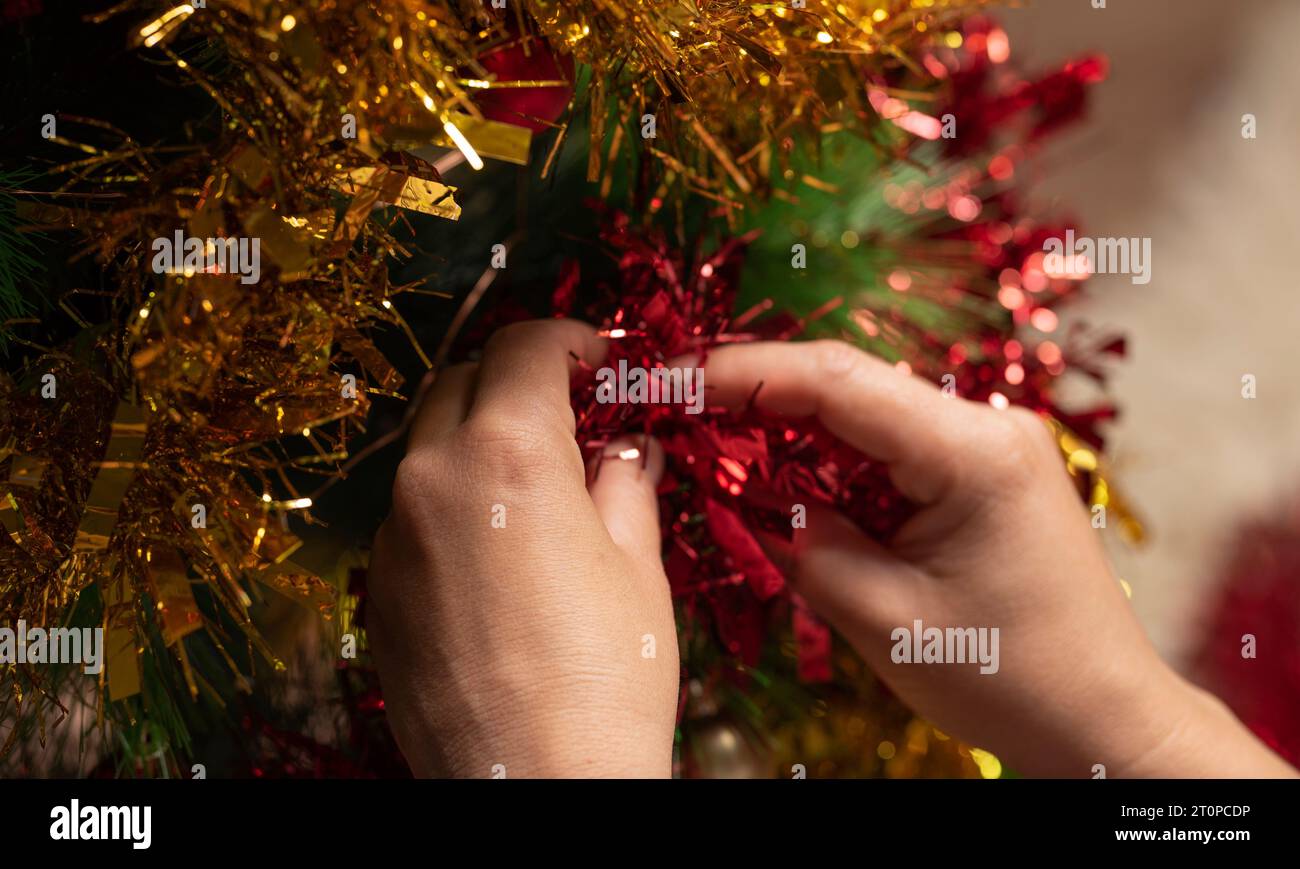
(20, 265)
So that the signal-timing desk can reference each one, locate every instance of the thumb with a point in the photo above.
(850, 580)
(622, 480)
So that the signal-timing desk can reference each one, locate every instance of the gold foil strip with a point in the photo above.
(116, 471)
(173, 597)
(365, 352)
(11, 518)
(27, 472)
(371, 186)
(299, 584)
(499, 141)
(122, 657)
(288, 246)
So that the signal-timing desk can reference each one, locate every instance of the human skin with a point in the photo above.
(1001, 540)
(523, 649)
(523, 646)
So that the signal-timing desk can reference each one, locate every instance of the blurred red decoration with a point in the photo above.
(1260, 598)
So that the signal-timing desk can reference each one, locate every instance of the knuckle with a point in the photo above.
(1034, 433)
(417, 481)
(1015, 445)
(515, 333)
(515, 448)
(837, 359)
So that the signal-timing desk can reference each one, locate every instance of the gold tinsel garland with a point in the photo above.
(160, 460)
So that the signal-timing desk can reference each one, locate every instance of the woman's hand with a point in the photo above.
(1001, 542)
(520, 618)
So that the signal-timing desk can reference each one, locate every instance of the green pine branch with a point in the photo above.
(20, 264)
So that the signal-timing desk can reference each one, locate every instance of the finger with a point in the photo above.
(526, 370)
(622, 484)
(445, 403)
(893, 417)
(850, 580)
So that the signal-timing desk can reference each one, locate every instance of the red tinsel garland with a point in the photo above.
(729, 475)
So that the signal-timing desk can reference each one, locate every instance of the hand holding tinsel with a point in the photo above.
(200, 393)
(727, 473)
(518, 613)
